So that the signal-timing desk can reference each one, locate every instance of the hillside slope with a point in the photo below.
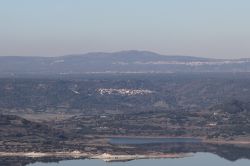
(117, 62)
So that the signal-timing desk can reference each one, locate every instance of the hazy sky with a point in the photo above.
(207, 28)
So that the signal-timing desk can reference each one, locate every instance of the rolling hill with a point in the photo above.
(117, 62)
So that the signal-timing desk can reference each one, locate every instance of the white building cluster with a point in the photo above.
(125, 92)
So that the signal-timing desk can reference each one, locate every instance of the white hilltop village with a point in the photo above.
(125, 92)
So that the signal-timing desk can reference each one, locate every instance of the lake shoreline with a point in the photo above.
(104, 156)
(196, 139)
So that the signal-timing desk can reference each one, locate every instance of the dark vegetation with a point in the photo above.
(187, 92)
(211, 106)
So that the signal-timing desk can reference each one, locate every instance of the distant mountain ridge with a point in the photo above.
(118, 62)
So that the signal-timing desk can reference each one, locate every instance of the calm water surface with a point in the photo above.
(199, 159)
(138, 141)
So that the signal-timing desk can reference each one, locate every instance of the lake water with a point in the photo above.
(203, 154)
(138, 141)
(204, 159)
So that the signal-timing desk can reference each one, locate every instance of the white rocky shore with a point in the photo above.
(110, 157)
(105, 156)
(74, 154)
